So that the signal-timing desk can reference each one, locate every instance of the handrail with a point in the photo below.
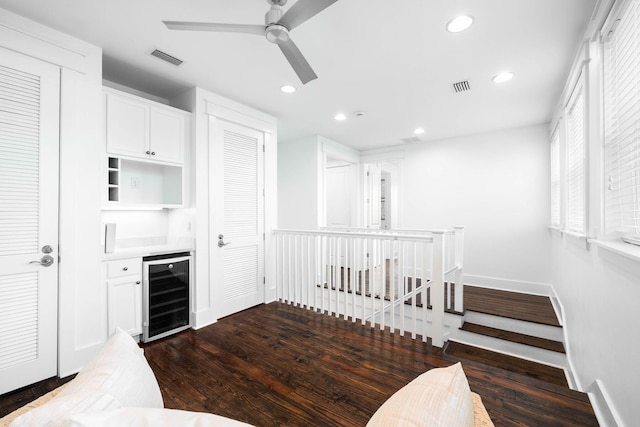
(383, 277)
(326, 232)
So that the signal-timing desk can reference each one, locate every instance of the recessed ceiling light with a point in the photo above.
(503, 77)
(288, 89)
(459, 23)
(418, 131)
(340, 117)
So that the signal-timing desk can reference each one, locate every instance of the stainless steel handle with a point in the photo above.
(45, 261)
(221, 242)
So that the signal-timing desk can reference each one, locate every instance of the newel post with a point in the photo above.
(459, 261)
(437, 289)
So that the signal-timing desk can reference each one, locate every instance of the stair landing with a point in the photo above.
(512, 305)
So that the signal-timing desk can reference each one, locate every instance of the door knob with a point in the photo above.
(45, 261)
(221, 242)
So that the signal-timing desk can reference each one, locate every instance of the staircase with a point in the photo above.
(522, 327)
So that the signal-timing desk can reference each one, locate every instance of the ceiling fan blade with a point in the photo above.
(210, 26)
(303, 10)
(297, 61)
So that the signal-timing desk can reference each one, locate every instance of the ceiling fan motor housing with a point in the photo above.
(273, 15)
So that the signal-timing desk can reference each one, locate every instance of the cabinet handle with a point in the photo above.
(148, 152)
(137, 282)
(125, 268)
(153, 153)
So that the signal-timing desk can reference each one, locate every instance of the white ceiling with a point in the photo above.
(392, 59)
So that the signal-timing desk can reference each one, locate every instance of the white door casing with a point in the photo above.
(237, 214)
(29, 159)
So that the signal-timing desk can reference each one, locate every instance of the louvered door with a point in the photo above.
(237, 204)
(29, 141)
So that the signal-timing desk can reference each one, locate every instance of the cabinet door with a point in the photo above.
(127, 127)
(167, 136)
(125, 304)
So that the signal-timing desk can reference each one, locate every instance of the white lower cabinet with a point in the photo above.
(124, 295)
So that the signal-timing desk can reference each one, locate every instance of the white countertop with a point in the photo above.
(181, 245)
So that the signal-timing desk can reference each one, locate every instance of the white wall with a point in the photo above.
(599, 291)
(298, 178)
(496, 185)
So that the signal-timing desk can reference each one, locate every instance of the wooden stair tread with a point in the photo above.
(516, 337)
(514, 364)
(512, 305)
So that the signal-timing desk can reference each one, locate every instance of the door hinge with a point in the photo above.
(263, 148)
(367, 173)
(264, 280)
(264, 236)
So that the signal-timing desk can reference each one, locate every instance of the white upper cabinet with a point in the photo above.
(136, 127)
(166, 135)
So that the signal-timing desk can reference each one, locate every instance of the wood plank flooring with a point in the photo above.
(519, 366)
(514, 337)
(9, 402)
(514, 305)
(279, 365)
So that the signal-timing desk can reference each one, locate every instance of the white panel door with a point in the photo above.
(29, 152)
(237, 215)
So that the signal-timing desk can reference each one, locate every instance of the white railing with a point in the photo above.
(401, 279)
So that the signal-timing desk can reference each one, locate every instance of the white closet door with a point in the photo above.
(237, 213)
(29, 147)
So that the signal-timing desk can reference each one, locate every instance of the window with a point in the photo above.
(622, 123)
(555, 179)
(575, 161)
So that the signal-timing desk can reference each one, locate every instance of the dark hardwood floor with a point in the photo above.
(543, 343)
(279, 365)
(514, 305)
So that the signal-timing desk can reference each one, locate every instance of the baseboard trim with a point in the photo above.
(203, 318)
(509, 285)
(600, 401)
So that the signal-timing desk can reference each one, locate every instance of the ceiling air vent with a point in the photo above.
(463, 86)
(166, 57)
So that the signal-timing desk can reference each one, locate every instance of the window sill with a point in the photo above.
(575, 235)
(619, 247)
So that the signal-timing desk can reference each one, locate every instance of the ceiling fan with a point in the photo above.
(276, 29)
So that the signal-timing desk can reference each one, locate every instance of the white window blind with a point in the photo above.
(575, 161)
(555, 179)
(622, 122)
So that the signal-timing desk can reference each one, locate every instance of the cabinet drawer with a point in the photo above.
(124, 267)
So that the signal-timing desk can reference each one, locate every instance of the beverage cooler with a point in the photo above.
(166, 295)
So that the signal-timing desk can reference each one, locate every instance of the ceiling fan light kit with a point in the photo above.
(276, 30)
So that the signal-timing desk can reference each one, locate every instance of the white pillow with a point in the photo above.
(439, 397)
(116, 377)
(143, 417)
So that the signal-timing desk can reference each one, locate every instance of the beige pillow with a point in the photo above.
(150, 417)
(118, 376)
(439, 397)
